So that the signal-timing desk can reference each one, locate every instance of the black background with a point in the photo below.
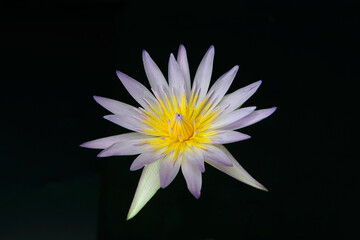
(55, 55)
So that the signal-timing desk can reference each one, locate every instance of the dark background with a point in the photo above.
(55, 55)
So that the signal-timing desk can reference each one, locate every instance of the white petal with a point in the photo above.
(155, 76)
(225, 137)
(252, 118)
(129, 122)
(215, 155)
(124, 149)
(184, 66)
(148, 185)
(195, 157)
(144, 159)
(176, 78)
(115, 106)
(236, 171)
(203, 73)
(225, 119)
(168, 170)
(237, 98)
(192, 177)
(221, 86)
(106, 142)
(138, 91)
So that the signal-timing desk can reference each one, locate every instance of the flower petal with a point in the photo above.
(236, 171)
(225, 137)
(176, 78)
(252, 118)
(195, 157)
(226, 119)
(144, 159)
(237, 98)
(168, 170)
(155, 76)
(192, 177)
(115, 106)
(203, 73)
(215, 155)
(221, 86)
(138, 91)
(106, 142)
(184, 66)
(148, 185)
(124, 149)
(129, 122)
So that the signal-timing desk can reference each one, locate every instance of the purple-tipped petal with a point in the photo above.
(153, 73)
(196, 158)
(236, 171)
(144, 159)
(215, 155)
(252, 118)
(148, 185)
(225, 119)
(176, 77)
(106, 142)
(168, 170)
(203, 73)
(184, 66)
(123, 149)
(125, 121)
(237, 98)
(222, 84)
(115, 106)
(192, 177)
(229, 137)
(138, 91)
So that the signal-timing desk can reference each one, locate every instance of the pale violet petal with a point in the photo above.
(214, 155)
(176, 78)
(225, 137)
(237, 171)
(144, 159)
(252, 118)
(124, 149)
(195, 157)
(192, 177)
(204, 72)
(148, 185)
(115, 106)
(225, 119)
(238, 97)
(155, 76)
(129, 122)
(168, 170)
(221, 86)
(106, 142)
(184, 66)
(138, 91)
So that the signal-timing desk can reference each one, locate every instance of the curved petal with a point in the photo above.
(192, 177)
(252, 118)
(106, 142)
(237, 98)
(184, 66)
(115, 106)
(124, 149)
(225, 137)
(226, 119)
(129, 122)
(148, 185)
(195, 157)
(214, 155)
(155, 76)
(138, 91)
(236, 171)
(168, 170)
(144, 159)
(176, 78)
(203, 73)
(221, 86)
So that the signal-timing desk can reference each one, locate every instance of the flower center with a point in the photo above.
(181, 129)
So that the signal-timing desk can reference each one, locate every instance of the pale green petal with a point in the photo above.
(237, 171)
(148, 185)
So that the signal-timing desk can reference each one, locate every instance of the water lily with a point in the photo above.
(179, 125)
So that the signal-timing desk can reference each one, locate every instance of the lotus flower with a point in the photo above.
(179, 125)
